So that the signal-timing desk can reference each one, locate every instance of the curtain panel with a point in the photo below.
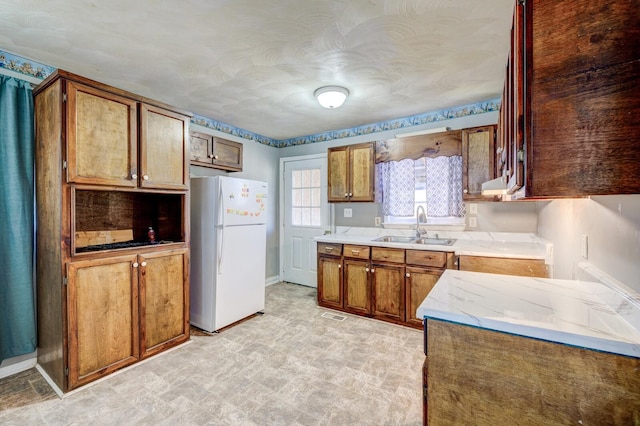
(17, 300)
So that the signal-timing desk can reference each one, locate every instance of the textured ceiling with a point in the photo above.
(255, 64)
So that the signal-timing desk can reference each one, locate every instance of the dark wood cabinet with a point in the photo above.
(567, 124)
(109, 165)
(216, 153)
(387, 290)
(351, 173)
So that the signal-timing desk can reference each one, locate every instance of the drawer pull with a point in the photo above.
(328, 249)
(408, 275)
(355, 251)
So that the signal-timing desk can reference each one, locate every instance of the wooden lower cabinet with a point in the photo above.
(505, 266)
(330, 281)
(388, 286)
(164, 300)
(357, 286)
(102, 306)
(124, 308)
(419, 282)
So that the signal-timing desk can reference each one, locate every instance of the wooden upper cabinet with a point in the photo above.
(163, 148)
(102, 304)
(351, 173)
(101, 137)
(164, 300)
(214, 152)
(570, 95)
(478, 161)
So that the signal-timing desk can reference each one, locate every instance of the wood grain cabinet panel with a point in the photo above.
(505, 266)
(419, 282)
(388, 291)
(478, 161)
(351, 173)
(330, 291)
(102, 303)
(164, 300)
(163, 148)
(357, 286)
(102, 137)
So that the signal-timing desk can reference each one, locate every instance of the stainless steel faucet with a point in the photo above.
(420, 232)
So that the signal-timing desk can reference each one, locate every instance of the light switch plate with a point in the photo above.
(473, 208)
(378, 221)
(473, 222)
(348, 213)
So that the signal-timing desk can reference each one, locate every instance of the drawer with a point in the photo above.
(436, 259)
(330, 249)
(356, 252)
(385, 254)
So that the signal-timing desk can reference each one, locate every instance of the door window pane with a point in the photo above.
(305, 198)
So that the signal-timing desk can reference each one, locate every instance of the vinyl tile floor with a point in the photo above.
(290, 366)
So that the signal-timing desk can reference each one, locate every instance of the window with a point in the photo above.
(433, 183)
(305, 197)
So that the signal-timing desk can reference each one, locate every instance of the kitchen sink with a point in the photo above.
(395, 239)
(434, 241)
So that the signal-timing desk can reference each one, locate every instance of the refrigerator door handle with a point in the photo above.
(220, 225)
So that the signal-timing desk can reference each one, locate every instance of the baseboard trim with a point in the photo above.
(272, 280)
(18, 367)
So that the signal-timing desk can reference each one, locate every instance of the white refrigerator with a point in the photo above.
(228, 250)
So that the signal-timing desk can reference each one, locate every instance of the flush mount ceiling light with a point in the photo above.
(331, 96)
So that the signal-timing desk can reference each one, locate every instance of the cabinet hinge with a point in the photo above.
(64, 281)
(66, 371)
(521, 2)
(64, 97)
(521, 155)
(64, 164)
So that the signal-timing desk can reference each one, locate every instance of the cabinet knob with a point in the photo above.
(135, 264)
(145, 177)
(339, 266)
(351, 194)
(210, 155)
(346, 194)
(143, 264)
(134, 176)
(408, 275)
(372, 270)
(366, 269)
(466, 191)
(215, 157)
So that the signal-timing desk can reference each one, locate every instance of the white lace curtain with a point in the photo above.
(440, 178)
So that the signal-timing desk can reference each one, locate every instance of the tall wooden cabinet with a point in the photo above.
(478, 161)
(351, 173)
(108, 161)
(567, 124)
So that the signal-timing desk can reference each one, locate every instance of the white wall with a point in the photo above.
(260, 162)
(612, 225)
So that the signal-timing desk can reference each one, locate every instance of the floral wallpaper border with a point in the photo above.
(35, 69)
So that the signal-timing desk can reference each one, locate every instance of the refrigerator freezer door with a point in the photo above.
(241, 281)
(244, 201)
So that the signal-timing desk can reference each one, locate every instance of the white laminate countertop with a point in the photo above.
(490, 244)
(579, 313)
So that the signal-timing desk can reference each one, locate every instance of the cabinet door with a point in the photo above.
(200, 149)
(338, 174)
(227, 155)
(419, 282)
(357, 288)
(478, 161)
(497, 265)
(387, 283)
(102, 315)
(330, 281)
(361, 172)
(101, 137)
(164, 296)
(163, 148)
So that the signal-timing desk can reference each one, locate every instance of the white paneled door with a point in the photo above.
(306, 215)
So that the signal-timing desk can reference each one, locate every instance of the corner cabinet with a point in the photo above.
(571, 92)
(216, 153)
(351, 173)
(109, 163)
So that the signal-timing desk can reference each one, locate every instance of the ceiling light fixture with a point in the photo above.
(331, 96)
(423, 132)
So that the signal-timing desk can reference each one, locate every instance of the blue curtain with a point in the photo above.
(17, 305)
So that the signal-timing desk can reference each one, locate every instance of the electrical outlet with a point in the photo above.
(473, 222)
(584, 247)
(378, 221)
(348, 213)
(473, 208)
